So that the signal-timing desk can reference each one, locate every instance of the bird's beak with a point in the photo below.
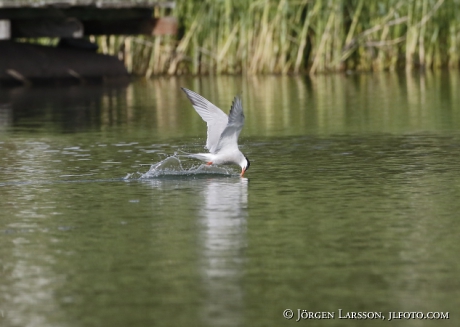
(242, 172)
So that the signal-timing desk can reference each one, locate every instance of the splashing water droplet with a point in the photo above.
(172, 166)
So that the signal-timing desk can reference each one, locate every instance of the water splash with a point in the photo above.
(172, 166)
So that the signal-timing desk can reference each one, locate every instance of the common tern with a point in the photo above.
(223, 132)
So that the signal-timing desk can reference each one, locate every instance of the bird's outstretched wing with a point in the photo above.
(229, 138)
(215, 118)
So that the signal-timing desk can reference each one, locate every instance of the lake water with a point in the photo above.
(351, 203)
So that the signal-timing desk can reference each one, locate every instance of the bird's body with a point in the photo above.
(223, 132)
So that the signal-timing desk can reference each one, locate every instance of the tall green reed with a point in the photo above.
(293, 36)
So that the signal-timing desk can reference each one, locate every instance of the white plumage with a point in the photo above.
(223, 132)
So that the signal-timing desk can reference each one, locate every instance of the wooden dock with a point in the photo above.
(72, 21)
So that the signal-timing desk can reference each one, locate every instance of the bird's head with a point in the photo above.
(245, 163)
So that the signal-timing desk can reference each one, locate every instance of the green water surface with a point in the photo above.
(352, 202)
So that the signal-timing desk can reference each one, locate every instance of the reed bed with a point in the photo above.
(296, 36)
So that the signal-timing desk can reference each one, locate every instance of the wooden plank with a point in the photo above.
(82, 13)
(69, 27)
(124, 27)
(96, 3)
(30, 13)
(149, 26)
(93, 13)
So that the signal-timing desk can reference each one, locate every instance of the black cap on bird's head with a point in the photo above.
(249, 163)
(245, 167)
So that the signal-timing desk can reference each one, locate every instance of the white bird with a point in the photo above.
(223, 132)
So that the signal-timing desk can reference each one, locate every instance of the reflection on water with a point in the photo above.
(274, 105)
(222, 217)
(224, 214)
(5, 116)
(324, 104)
(30, 283)
(221, 205)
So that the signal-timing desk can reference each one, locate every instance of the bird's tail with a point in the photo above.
(200, 156)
